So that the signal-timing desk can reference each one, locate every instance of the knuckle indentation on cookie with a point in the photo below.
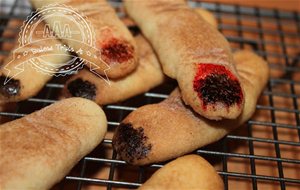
(116, 51)
(131, 143)
(81, 88)
(12, 88)
(214, 83)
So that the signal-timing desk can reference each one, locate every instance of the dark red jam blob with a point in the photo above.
(116, 51)
(214, 83)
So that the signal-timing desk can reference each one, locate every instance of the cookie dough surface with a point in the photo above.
(187, 172)
(39, 149)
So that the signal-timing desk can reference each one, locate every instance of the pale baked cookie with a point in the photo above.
(159, 132)
(31, 80)
(207, 16)
(39, 149)
(148, 75)
(192, 52)
(187, 172)
(115, 45)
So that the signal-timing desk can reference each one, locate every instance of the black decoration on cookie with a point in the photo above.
(216, 84)
(131, 143)
(220, 88)
(84, 89)
(135, 30)
(12, 88)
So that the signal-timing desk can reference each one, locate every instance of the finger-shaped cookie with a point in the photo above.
(39, 149)
(27, 80)
(159, 132)
(187, 172)
(114, 44)
(148, 75)
(192, 52)
(205, 14)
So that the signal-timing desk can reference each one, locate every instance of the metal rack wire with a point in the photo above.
(261, 154)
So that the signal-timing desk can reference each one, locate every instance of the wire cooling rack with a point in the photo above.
(262, 154)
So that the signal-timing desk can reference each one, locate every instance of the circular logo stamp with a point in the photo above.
(40, 47)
